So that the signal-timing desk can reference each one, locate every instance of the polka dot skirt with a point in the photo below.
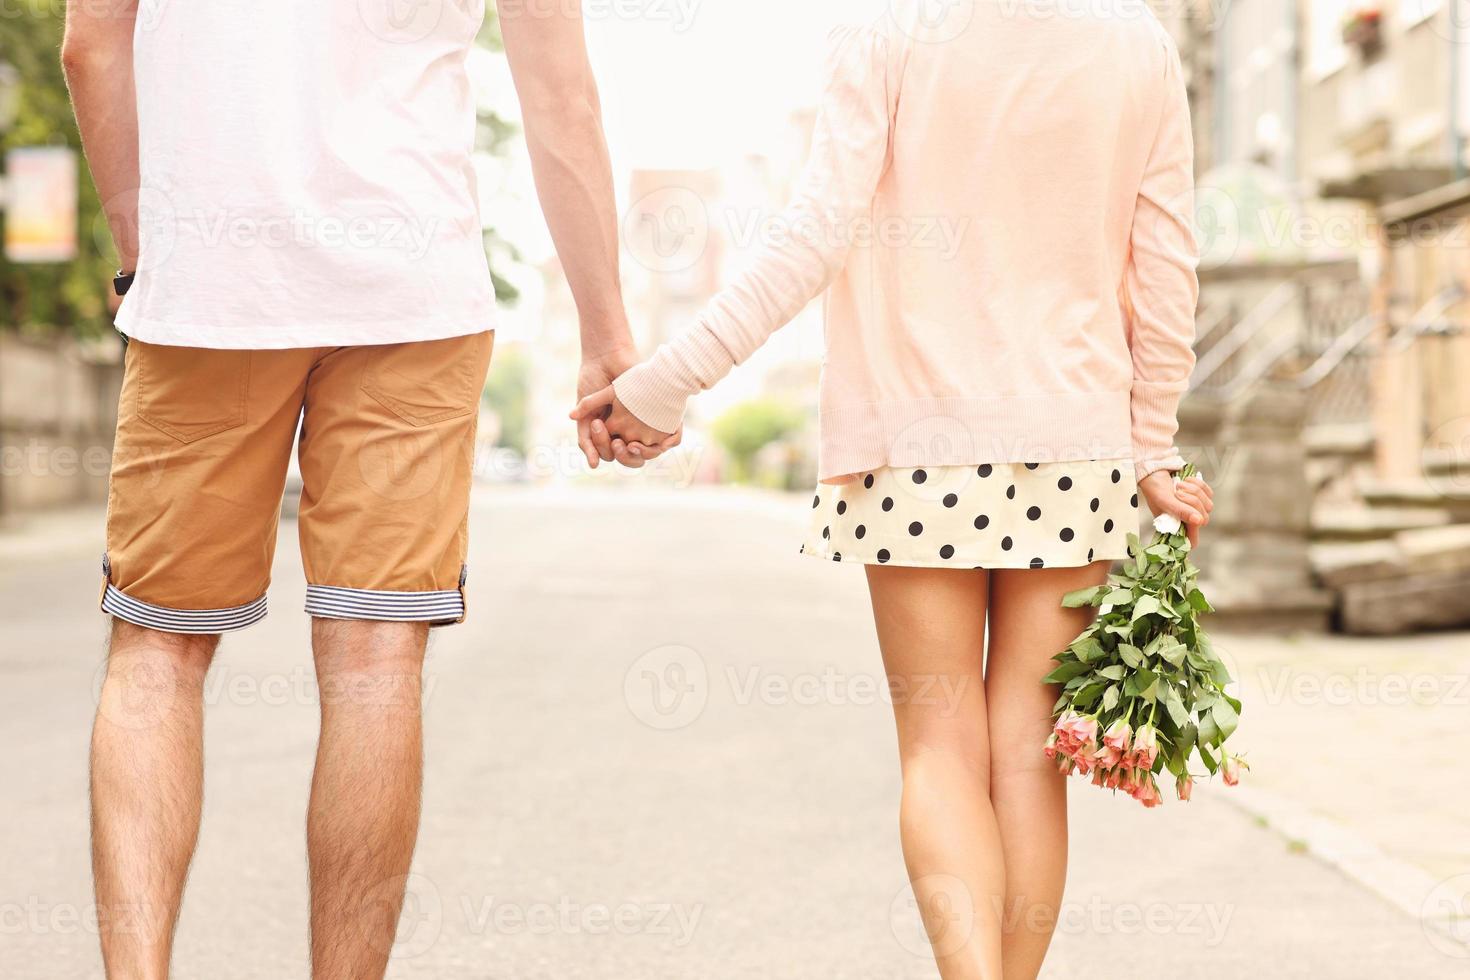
(1003, 515)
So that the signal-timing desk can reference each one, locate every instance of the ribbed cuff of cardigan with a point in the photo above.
(651, 399)
(1155, 411)
(658, 390)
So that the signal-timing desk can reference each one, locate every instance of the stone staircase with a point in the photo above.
(1395, 554)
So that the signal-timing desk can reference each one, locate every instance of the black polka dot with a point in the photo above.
(1065, 483)
(887, 504)
(1011, 492)
(868, 481)
(826, 533)
(947, 552)
(841, 507)
(883, 556)
(1006, 544)
(1117, 476)
(916, 529)
(802, 549)
(836, 556)
(861, 532)
(1037, 563)
(1108, 526)
(1034, 514)
(1032, 466)
(1090, 553)
(816, 502)
(920, 476)
(1095, 504)
(1134, 501)
(982, 522)
(951, 499)
(985, 470)
(1068, 534)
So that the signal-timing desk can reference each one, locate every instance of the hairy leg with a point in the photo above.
(364, 813)
(147, 786)
(931, 626)
(1027, 627)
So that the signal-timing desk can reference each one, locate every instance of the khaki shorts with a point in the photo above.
(203, 445)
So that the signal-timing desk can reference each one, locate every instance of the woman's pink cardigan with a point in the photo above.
(1054, 322)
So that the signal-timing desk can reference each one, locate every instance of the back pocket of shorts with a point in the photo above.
(429, 381)
(191, 392)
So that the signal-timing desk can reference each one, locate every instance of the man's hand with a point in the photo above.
(1192, 500)
(629, 442)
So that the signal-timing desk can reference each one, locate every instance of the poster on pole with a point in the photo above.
(41, 204)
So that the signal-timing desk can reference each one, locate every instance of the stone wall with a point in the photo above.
(1255, 555)
(58, 409)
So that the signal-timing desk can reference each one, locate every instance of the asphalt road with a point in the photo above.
(656, 751)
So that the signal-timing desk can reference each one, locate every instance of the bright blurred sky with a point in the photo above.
(694, 83)
(686, 84)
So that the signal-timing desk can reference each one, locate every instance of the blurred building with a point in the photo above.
(1332, 352)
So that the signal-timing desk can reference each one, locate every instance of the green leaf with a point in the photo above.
(1146, 606)
(1088, 649)
(1110, 698)
(1209, 732)
(1084, 597)
(1118, 597)
(1171, 651)
(1138, 682)
(1131, 655)
(1113, 672)
(1225, 718)
(1066, 672)
(1161, 551)
(1088, 696)
(1177, 713)
(1198, 601)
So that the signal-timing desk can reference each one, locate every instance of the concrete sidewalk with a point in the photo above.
(651, 759)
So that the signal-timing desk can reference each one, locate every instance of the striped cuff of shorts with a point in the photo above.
(335, 602)
(165, 620)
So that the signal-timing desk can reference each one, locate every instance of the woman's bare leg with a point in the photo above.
(931, 626)
(1027, 627)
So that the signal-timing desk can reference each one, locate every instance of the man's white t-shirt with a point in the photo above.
(306, 174)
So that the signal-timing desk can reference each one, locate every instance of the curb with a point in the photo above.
(1405, 886)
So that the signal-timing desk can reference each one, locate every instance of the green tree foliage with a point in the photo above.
(749, 427)
(508, 393)
(72, 295)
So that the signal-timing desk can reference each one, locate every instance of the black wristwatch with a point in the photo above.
(122, 282)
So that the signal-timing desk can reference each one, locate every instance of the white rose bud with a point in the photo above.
(1167, 524)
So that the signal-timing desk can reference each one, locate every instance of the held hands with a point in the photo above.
(606, 430)
(1192, 500)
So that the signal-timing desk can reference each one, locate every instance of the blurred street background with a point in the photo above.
(654, 758)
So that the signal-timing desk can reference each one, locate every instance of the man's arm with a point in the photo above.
(97, 57)
(547, 51)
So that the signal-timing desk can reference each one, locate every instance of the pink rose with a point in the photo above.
(1115, 744)
(1050, 750)
(1233, 766)
(1186, 788)
(1146, 747)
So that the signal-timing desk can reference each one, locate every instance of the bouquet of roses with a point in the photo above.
(1142, 690)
